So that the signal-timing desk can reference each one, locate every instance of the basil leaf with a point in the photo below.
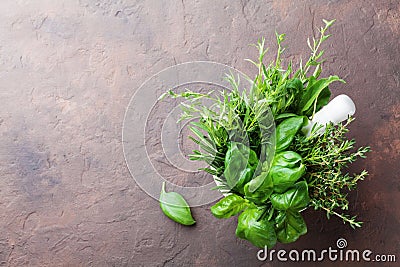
(244, 176)
(286, 170)
(284, 178)
(263, 192)
(257, 181)
(290, 225)
(288, 159)
(240, 164)
(285, 116)
(295, 84)
(229, 206)
(253, 160)
(286, 131)
(295, 198)
(175, 207)
(259, 231)
(323, 99)
(312, 93)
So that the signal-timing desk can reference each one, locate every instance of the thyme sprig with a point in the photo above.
(326, 158)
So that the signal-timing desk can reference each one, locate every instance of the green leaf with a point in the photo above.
(201, 136)
(295, 84)
(289, 159)
(312, 92)
(257, 181)
(175, 207)
(259, 231)
(240, 164)
(285, 115)
(283, 178)
(262, 192)
(328, 23)
(235, 161)
(286, 131)
(296, 198)
(287, 168)
(323, 98)
(290, 225)
(229, 206)
(244, 176)
(317, 71)
(289, 222)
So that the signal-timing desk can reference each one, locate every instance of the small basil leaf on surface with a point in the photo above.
(286, 131)
(296, 198)
(175, 207)
(229, 206)
(252, 227)
(290, 225)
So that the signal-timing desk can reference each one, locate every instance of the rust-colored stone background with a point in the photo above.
(67, 72)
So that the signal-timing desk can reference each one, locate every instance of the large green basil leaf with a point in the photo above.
(290, 225)
(175, 207)
(259, 231)
(235, 162)
(253, 160)
(286, 170)
(244, 176)
(229, 206)
(240, 164)
(283, 178)
(296, 198)
(315, 88)
(295, 84)
(323, 99)
(286, 131)
(288, 159)
(263, 191)
(257, 181)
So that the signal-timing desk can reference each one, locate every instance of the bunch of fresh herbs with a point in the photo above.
(270, 175)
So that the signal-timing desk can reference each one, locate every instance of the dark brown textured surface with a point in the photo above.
(67, 72)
